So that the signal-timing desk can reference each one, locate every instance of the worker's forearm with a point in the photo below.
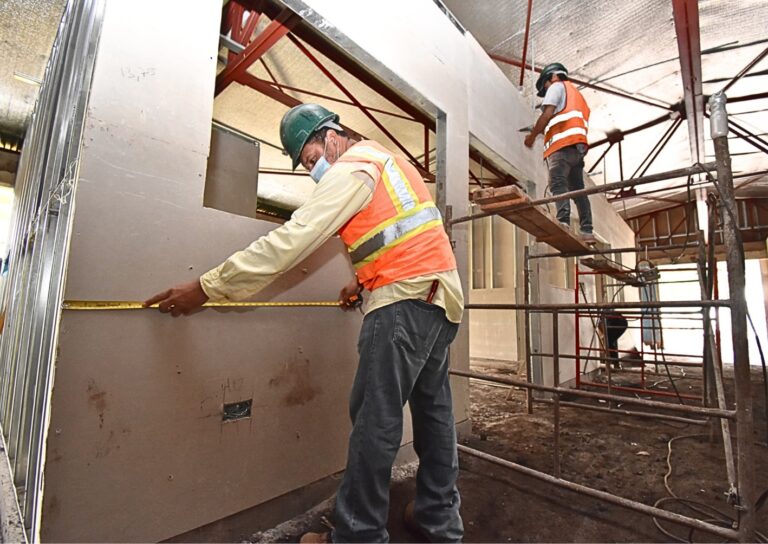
(541, 124)
(249, 271)
(546, 116)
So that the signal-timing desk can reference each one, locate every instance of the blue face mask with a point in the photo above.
(321, 166)
(319, 169)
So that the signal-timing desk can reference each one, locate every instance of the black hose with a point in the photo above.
(765, 374)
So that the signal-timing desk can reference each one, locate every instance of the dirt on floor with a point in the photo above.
(624, 455)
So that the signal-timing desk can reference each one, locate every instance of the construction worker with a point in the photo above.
(380, 206)
(612, 324)
(564, 121)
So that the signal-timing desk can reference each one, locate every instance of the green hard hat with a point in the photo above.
(546, 74)
(299, 123)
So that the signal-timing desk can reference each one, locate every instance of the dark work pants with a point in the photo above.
(615, 325)
(403, 351)
(566, 173)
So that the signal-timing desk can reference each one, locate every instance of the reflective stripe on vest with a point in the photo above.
(394, 232)
(561, 117)
(400, 191)
(565, 134)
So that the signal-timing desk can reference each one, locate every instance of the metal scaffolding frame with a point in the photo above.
(739, 464)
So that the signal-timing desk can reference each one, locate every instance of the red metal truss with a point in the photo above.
(279, 27)
(274, 89)
(426, 173)
(622, 94)
(284, 87)
(265, 88)
(343, 61)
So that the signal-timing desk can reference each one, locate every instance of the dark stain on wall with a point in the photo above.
(296, 377)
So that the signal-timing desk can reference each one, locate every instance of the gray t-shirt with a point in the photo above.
(555, 97)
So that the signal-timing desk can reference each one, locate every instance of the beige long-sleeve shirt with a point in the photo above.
(337, 198)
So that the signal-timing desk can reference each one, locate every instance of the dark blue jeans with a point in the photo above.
(403, 351)
(566, 173)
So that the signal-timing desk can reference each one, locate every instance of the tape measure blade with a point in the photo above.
(135, 305)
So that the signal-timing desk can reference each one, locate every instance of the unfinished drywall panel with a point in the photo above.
(138, 449)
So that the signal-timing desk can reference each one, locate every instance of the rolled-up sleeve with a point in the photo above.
(337, 198)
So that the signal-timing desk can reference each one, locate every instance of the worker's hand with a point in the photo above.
(180, 300)
(529, 140)
(350, 290)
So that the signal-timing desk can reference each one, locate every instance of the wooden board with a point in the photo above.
(533, 219)
(611, 269)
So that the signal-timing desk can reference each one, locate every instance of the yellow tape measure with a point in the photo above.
(133, 305)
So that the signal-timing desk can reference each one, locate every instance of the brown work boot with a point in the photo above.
(315, 538)
(409, 519)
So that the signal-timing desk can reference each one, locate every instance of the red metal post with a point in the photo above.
(525, 41)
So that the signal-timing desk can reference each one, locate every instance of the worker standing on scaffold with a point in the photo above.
(380, 206)
(564, 122)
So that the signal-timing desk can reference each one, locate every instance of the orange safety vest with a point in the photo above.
(399, 234)
(569, 126)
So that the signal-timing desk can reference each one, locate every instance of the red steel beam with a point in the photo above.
(282, 86)
(686, 16)
(279, 27)
(615, 92)
(270, 74)
(287, 100)
(525, 40)
(250, 27)
(226, 18)
(426, 173)
(236, 12)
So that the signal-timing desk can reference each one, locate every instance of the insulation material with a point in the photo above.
(27, 29)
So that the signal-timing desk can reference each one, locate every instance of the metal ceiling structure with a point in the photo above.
(637, 60)
(646, 68)
(27, 31)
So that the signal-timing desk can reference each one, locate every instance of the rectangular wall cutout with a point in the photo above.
(237, 410)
